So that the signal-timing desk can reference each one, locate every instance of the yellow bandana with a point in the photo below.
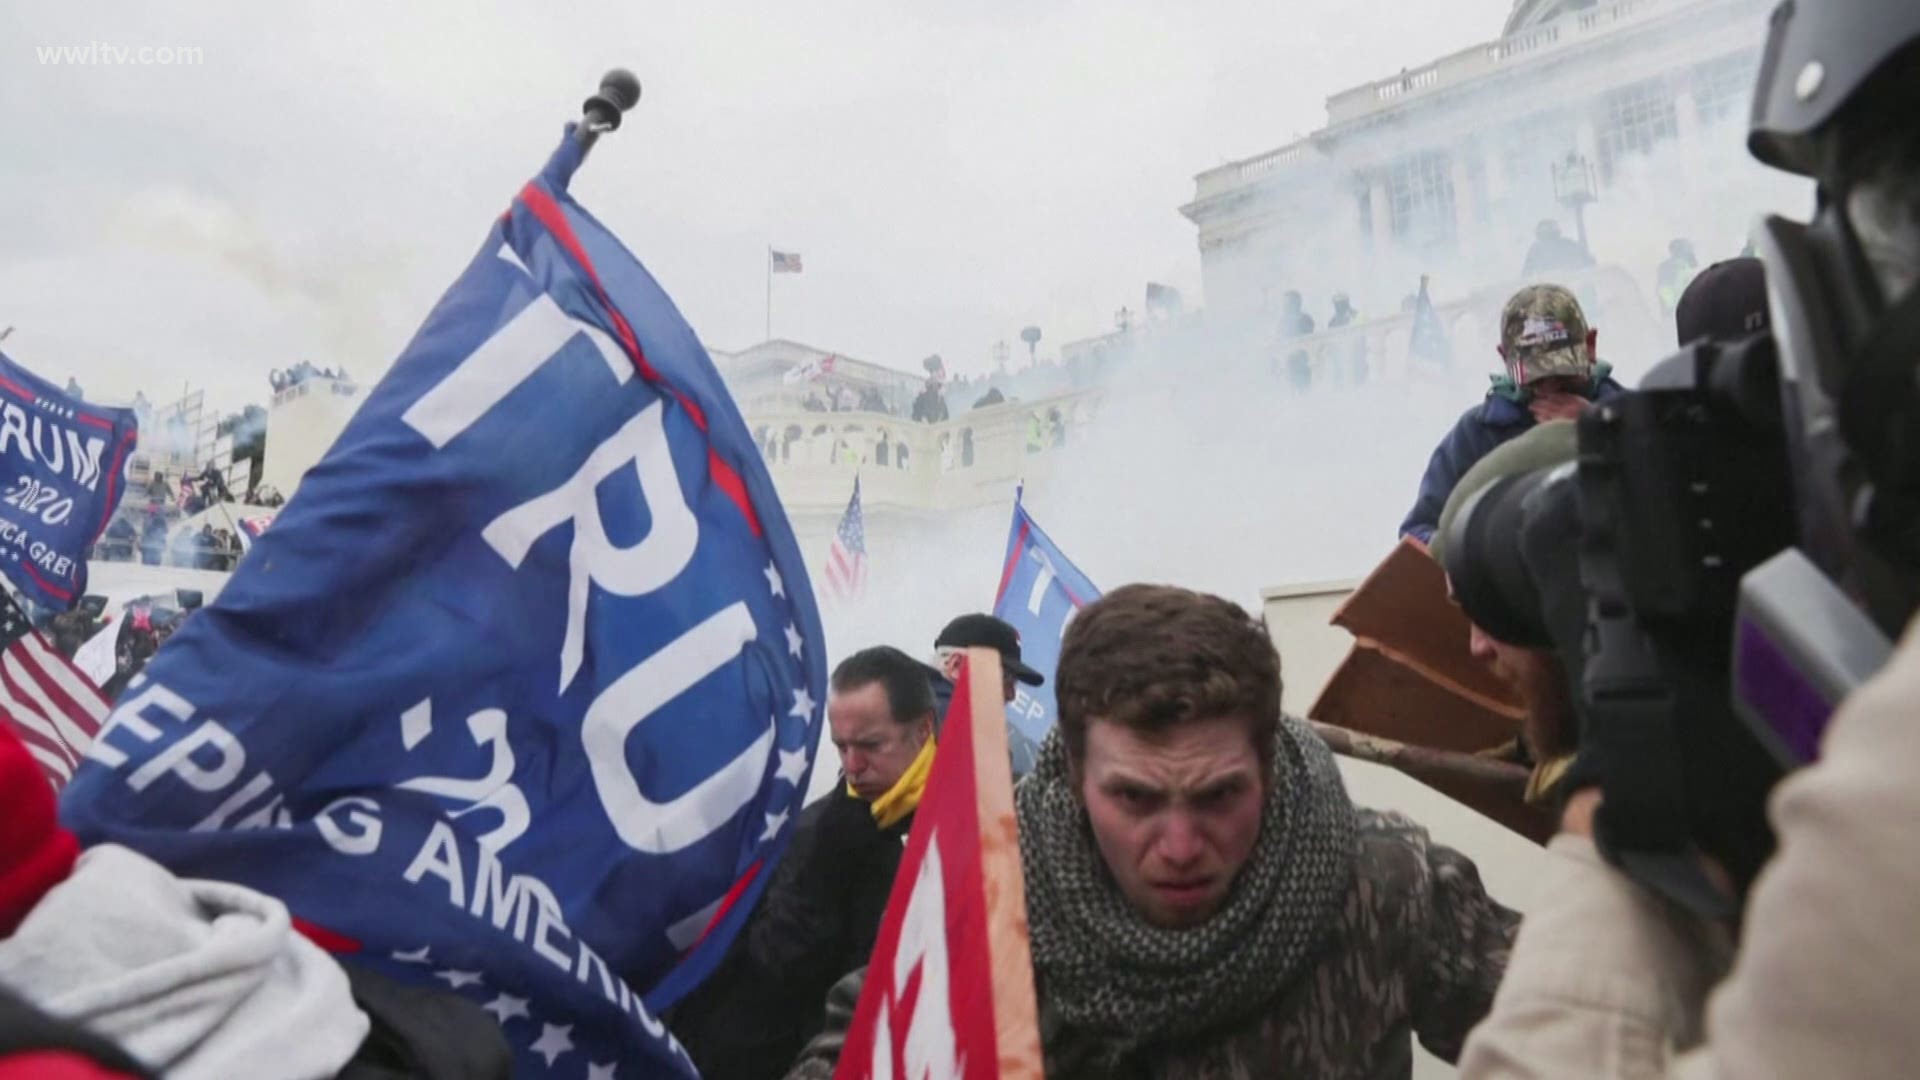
(1546, 777)
(903, 797)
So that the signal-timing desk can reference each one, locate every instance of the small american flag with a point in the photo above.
(54, 709)
(786, 262)
(847, 558)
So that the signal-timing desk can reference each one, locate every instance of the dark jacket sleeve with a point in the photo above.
(817, 1061)
(756, 1011)
(1464, 950)
(1467, 443)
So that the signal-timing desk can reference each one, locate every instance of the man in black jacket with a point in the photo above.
(820, 914)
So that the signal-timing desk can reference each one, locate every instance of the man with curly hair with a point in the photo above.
(1203, 898)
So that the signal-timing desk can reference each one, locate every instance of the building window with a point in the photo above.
(1633, 120)
(1723, 88)
(1420, 199)
(1530, 147)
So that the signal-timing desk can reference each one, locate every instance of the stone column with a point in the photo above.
(1382, 217)
(1686, 117)
(1466, 199)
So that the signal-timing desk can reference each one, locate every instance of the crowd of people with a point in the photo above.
(146, 527)
(1180, 840)
(301, 373)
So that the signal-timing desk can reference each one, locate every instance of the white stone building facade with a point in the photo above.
(1448, 168)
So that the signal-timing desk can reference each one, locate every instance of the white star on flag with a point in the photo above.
(794, 640)
(506, 1007)
(802, 704)
(418, 956)
(774, 821)
(774, 582)
(601, 1072)
(793, 765)
(458, 979)
(554, 1041)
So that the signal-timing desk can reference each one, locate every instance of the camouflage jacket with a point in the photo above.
(1417, 948)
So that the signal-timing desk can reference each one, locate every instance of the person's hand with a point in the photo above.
(1576, 819)
(1557, 406)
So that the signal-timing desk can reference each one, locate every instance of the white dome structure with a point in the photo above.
(1528, 14)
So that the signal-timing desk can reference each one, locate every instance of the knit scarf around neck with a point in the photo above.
(1107, 971)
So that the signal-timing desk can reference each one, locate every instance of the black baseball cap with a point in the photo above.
(1726, 302)
(987, 632)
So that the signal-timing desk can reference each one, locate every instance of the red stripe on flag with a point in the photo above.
(113, 481)
(331, 940)
(35, 655)
(549, 214)
(55, 590)
(94, 421)
(1013, 560)
(32, 727)
(16, 388)
(726, 902)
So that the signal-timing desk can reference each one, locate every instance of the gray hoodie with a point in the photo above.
(194, 978)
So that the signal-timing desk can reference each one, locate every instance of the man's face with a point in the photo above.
(1175, 814)
(1550, 726)
(874, 750)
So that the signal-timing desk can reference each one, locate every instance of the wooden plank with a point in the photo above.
(1402, 610)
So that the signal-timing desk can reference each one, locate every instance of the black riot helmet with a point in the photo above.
(1820, 54)
(1835, 103)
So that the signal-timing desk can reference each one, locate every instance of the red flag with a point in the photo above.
(949, 990)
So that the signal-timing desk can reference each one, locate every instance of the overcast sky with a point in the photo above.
(951, 172)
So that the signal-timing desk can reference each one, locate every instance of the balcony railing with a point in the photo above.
(968, 460)
(974, 458)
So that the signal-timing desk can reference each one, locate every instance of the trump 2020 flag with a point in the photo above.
(518, 696)
(949, 990)
(63, 464)
(1040, 589)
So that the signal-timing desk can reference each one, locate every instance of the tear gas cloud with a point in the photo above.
(1204, 469)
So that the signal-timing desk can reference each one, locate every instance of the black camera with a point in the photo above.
(1627, 563)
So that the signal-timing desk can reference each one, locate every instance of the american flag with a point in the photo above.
(54, 709)
(785, 262)
(847, 558)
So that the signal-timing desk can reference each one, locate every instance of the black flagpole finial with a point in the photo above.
(619, 91)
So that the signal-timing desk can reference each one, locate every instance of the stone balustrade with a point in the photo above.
(974, 458)
(969, 460)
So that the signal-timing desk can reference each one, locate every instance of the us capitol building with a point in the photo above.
(1448, 168)
(1453, 164)
(1577, 107)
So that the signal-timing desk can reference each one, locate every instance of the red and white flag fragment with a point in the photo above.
(44, 699)
(949, 990)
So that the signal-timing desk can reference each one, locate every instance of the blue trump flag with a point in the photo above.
(1039, 592)
(519, 695)
(63, 466)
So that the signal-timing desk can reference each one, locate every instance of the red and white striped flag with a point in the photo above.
(949, 988)
(847, 558)
(54, 708)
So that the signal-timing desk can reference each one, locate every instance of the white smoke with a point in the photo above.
(1204, 469)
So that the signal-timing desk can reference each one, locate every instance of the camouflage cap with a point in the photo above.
(1544, 333)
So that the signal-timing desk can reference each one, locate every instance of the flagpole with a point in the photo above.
(619, 91)
(769, 269)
